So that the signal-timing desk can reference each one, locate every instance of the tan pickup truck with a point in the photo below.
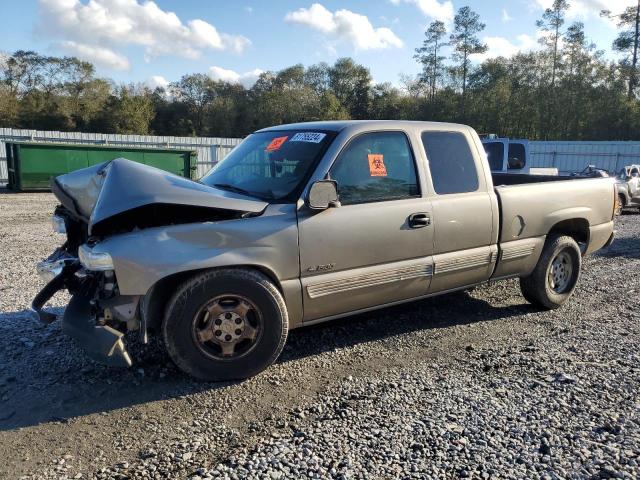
(301, 224)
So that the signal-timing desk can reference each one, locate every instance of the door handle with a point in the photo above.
(419, 220)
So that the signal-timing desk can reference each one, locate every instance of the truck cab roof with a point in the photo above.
(340, 125)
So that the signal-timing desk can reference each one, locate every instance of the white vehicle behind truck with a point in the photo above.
(507, 155)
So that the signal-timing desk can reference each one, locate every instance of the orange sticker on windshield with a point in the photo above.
(376, 165)
(275, 144)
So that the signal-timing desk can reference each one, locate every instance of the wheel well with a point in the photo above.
(577, 228)
(623, 199)
(155, 301)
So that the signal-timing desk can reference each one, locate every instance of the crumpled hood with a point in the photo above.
(112, 188)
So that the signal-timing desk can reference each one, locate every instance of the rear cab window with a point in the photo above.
(451, 163)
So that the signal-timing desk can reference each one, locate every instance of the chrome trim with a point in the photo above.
(368, 280)
(518, 251)
(49, 269)
(389, 304)
(463, 262)
(59, 225)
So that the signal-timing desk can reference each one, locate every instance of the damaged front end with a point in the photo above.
(104, 201)
(98, 324)
(97, 315)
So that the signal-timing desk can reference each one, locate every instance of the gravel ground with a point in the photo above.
(476, 385)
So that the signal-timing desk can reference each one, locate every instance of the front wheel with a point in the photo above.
(556, 275)
(225, 325)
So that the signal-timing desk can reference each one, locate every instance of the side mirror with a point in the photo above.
(323, 194)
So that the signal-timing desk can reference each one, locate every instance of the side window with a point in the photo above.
(495, 155)
(451, 163)
(375, 167)
(517, 156)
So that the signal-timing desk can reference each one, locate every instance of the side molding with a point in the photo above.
(369, 280)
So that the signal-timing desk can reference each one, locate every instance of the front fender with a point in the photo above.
(144, 257)
(624, 191)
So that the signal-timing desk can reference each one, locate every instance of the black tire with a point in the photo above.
(538, 288)
(198, 358)
(620, 205)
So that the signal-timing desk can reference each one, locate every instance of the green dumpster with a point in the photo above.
(31, 165)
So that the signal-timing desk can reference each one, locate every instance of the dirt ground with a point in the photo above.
(63, 416)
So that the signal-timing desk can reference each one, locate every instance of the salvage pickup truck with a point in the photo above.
(301, 224)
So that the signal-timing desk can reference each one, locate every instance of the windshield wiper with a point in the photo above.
(233, 188)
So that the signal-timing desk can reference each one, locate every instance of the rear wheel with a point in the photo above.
(556, 275)
(225, 325)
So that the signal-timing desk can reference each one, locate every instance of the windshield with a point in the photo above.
(270, 165)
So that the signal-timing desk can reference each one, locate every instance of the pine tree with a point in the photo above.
(552, 21)
(429, 56)
(628, 41)
(465, 42)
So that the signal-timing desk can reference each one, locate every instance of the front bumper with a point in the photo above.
(58, 280)
(101, 342)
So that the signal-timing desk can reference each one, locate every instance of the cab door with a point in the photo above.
(465, 212)
(376, 247)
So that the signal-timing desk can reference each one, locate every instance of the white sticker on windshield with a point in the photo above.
(310, 137)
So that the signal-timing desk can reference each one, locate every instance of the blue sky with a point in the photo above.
(155, 42)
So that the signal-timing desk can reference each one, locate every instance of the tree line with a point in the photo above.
(565, 90)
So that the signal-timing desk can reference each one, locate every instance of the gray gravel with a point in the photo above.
(476, 385)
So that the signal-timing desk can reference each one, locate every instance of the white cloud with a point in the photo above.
(506, 18)
(345, 25)
(590, 8)
(502, 47)
(247, 78)
(235, 43)
(101, 56)
(248, 9)
(438, 10)
(111, 23)
(157, 81)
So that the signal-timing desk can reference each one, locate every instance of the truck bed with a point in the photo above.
(531, 206)
(537, 204)
(522, 178)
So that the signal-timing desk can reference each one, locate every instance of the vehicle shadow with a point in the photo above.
(52, 380)
(628, 247)
(45, 377)
(444, 311)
